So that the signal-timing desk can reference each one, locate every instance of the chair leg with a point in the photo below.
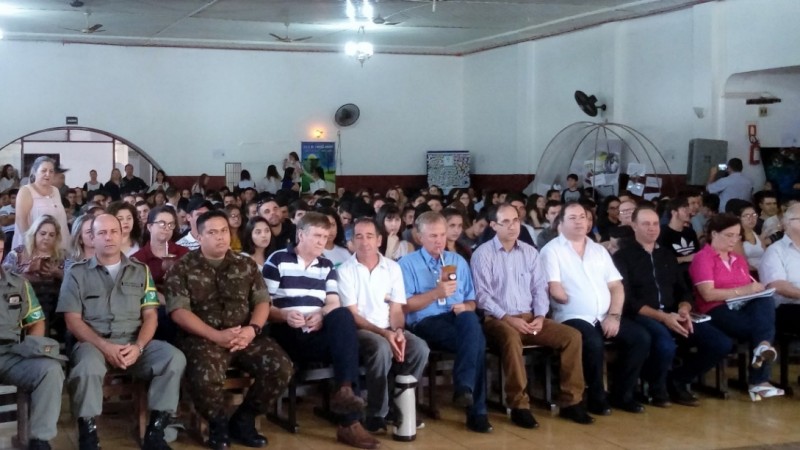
(23, 417)
(141, 406)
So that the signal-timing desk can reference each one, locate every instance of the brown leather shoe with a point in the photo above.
(345, 401)
(356, 436)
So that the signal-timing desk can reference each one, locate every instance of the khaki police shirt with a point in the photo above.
(112, 308)
(222, 295)
(19, 307)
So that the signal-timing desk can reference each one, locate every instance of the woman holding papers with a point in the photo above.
(720, 274)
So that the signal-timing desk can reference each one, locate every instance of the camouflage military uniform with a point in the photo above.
(113, 309)
(223, 294)
(42, 377)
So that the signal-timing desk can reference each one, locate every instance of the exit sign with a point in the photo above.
(72, 120)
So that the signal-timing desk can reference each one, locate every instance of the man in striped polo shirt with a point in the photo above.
(309, 323)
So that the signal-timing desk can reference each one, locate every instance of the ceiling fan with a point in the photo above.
(287, 39)
(90, 29)
(380, 20)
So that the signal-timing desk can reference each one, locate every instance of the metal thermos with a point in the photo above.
(405, 401)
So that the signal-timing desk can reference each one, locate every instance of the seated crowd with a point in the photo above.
(177, 286)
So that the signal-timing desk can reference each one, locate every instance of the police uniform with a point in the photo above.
(113, 309)
(223, 295)
(42, 377)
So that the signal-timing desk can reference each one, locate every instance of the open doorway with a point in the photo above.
(80, 150)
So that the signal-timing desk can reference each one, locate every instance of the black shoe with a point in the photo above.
(681, 395)
(87, 434)
(479, 424)
(462, 398)
(661, 401)
(523, 418)
(631, 406)
(576, 413)
(242, 429)
(154, 435)
(599, 408)
(37, 444)
(218, 438)
(375, 424)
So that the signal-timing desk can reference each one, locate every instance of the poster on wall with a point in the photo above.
(316, 155)
(448, 169)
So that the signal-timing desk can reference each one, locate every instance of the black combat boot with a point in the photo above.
(38, 444)
(154, 436)
(242, 427)
(218, 438)
(87, 434)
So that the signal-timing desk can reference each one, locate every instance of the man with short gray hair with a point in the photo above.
(441, 309)
(780, 269)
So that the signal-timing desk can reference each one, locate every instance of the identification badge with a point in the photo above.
(441, 301)
(14, 299)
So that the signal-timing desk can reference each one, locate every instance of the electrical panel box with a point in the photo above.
(704, 154)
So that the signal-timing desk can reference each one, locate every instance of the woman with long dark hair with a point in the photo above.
(131, 231)
(390, 226)
(336, 247)
(257, 242)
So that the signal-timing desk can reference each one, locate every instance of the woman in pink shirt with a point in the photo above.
(719, 274)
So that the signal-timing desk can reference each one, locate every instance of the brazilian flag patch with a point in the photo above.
(150, 294)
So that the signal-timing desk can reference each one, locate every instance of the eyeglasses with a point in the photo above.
(508, 223)
(235, 216)
(163, 224)
(749, 215)
(626, 211)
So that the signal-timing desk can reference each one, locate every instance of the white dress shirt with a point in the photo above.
(371, 291)
(585, 280)
(781, 261)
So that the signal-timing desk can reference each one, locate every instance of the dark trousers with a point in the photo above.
(335, 343)
(787, 318)
(633, 344)
(460, 334)
(712, 345)
(754, 323)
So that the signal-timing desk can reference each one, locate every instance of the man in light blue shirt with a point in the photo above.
(441, 310)
(735, 185)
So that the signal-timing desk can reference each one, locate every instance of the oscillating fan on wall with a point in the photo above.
(347, 115)
(588, 103)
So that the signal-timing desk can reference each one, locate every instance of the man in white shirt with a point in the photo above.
(780, 269)
(371, 286)
(586, 293)
(194, 210)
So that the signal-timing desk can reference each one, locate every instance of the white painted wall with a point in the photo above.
(651, 72)
(182, 105)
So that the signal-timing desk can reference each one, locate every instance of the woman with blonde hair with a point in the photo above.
(40, 260)
(80, 243)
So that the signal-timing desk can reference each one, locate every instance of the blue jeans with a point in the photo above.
(712, 345)
(754, 323)
(460, 334)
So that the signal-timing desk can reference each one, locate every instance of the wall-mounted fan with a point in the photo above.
(347, 115)
(90, 29)
(287, 39)
(588, 103)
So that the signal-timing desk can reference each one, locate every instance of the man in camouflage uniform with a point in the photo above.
(109, 304)
(220, 302)
(42, 377)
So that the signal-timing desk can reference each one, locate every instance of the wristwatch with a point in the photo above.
(256, 328)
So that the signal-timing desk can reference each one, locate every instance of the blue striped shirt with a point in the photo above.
(294, 286)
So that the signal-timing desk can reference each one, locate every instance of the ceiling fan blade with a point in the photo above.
(392, 23)
(302, 39)
(280, 38)
(72, 29)
(95, 27)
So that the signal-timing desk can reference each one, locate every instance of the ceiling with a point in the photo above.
(440, 27)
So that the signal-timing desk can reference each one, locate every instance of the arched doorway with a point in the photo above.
(79, 149)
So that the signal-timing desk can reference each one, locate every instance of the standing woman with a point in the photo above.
(199, 187)
(80, 243)
(8, 178)
(131, 231)
(293, 162)
(39, 198)
(257, 240)
(270, 183)
(245, 180)
(40, 260)
(289, 183)
(161, 183)
(112, 186)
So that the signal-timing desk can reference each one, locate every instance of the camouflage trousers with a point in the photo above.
(207, 363)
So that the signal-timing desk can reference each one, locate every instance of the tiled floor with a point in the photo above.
(735, 422)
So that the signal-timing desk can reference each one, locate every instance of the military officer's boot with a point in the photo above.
(218, 438)
(87, 434)
(242, 427)
(154, 436)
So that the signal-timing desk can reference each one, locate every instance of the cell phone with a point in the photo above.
(722, 166)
